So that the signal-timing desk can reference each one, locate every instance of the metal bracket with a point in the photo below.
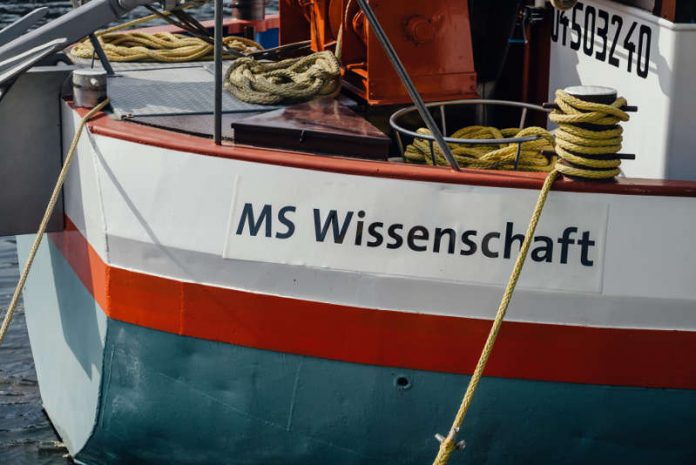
(460, 445)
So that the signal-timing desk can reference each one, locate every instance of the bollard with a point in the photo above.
(89, 87)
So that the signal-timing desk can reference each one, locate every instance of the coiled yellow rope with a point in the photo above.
(582, 150)
(572, 110)
(55, 195)
(159, 47)
(163, 47)
(501, 157)
(292, 80)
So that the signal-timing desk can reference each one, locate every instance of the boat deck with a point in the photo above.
(177, 96)
(180, 105)
(180, 97)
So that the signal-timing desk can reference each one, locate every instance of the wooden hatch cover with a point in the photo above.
(323, 126)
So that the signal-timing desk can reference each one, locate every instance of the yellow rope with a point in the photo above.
(448, 445)
(46, 217)
(571, 110)
(500, 157)
(291, 80)
(578, 147)
(159, 47)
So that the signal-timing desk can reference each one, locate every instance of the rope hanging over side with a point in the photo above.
(589, 141)
(586, 151)
(158, 47)
(501, 157)
(448, 444)
(46, 218)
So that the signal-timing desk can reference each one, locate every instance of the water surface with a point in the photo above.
(26, 436)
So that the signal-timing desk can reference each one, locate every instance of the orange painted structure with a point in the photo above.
(432, 38)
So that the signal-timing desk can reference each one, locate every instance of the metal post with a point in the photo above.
(408, 83)
(218, 73)
(102, 56)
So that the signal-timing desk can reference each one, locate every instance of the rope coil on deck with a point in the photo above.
(163, 47)
(290, 80)
(499, 156)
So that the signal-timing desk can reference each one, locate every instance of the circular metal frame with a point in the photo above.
(525, 107)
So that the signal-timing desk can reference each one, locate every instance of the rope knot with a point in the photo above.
(292, 80)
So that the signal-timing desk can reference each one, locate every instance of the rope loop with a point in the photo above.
(487, 156)
(588, 135)
(292, 80)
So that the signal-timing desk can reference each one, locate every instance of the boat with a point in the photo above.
(224, 281)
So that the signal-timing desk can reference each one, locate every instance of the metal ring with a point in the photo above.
(453, 140)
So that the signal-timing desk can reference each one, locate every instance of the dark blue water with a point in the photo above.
(26, 436)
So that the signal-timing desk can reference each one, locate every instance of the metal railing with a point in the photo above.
(400, 130)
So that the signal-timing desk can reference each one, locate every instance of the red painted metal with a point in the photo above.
(295, 17)
(432, 37)
(630, 357)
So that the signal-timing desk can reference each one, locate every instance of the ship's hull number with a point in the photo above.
(607, 37)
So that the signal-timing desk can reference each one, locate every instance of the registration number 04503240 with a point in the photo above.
(601, 35)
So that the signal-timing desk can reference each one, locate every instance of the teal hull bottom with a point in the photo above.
(148, 397)
(168, 399)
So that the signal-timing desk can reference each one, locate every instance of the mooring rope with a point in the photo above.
(55, 195)
(571, 111)
(486, 156)
(165, 47)
(587, 151)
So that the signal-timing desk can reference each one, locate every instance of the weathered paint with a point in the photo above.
(567, 353)
(238, 371)
(167, 398)
(179, 400)
(66, 330)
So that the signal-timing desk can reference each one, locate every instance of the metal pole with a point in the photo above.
(408, 83)
(218, 73)
(102, 56)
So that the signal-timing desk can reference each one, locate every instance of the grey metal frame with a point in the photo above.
(217, 111)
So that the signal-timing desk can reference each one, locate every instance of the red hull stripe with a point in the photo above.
(650, 358)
